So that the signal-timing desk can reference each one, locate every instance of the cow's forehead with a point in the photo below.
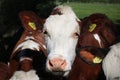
(61, 24)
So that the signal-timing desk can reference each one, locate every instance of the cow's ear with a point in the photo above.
(31, 21)
(89, 58)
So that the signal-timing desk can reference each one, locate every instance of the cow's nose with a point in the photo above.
(57, 64)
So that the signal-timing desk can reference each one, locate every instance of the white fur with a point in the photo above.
(96, 36)
(28, 44)
(111, 63)
(25, 58)
(29, 37)
(66, 10)
(60, 41)
(21, 75)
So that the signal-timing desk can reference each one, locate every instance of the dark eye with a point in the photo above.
(45, 32)
(76, 34)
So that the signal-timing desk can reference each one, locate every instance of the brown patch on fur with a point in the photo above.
(29, 16)
(56, 12)
(104, 28)
(26, 65)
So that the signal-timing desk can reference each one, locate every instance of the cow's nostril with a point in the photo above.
(50, 63)
(63, 63)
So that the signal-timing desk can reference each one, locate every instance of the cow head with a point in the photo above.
(32, 34)
(30, 44)
(61, 31)
(96, 33)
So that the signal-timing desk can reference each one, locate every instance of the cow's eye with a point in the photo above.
(46, 33)
(76, 34)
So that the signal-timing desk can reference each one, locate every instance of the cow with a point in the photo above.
(29, 54)
(111, 63)
(97, 34)
(61, 30)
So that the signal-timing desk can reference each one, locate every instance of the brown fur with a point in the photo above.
(56, 11)
(4, 71)
(106, 30)
(26, 17)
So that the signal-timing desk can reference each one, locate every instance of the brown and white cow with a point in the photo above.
(97, 33)
(61, 31)
(30, 51)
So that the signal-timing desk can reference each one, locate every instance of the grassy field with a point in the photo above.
(85, 9)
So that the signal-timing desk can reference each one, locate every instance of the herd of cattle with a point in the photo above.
(62, 47)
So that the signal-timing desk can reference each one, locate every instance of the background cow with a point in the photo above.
(30, 51)
(97, 33)
(111, 63)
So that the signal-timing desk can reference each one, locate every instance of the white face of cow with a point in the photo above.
(61, 35)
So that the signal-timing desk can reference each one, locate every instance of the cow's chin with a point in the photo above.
(61, 73)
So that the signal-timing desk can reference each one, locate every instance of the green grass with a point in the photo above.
(85, 9)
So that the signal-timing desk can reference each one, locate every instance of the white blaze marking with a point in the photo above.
(25, 58)
(96, 36)
(30, 44)
(29, 37)
(44, 46)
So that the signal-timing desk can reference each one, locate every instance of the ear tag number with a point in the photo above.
(32, 25)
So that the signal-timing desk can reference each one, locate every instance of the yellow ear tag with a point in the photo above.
(92, 27)
(97, 60)
(32, 25)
